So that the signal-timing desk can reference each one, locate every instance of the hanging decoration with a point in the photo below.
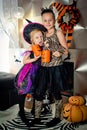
(19, 13)
(74, 14)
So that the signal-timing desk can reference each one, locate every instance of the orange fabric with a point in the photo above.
(67, 27)
(45, 55)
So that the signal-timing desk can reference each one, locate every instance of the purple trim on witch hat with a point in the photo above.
(30, 27)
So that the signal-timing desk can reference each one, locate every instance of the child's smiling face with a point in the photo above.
(48, 20)
(37, 37)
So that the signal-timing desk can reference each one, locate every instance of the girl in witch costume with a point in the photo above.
(50, 76)
(24, 80)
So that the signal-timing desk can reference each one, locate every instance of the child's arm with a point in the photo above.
(62, 41)
(27, 59)
(63, 49)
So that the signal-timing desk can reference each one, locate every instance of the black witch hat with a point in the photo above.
(30, 27)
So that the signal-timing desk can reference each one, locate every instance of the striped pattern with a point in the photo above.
(67, 28)
(17, 124)
(9, 120)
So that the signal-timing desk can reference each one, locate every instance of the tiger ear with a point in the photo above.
(51, 7)
(42, 9)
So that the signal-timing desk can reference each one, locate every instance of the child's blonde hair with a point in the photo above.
(33, 33)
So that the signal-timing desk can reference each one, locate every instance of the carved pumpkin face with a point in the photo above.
(77, 100)
(66, 111)
(36, 49)
(74, 113)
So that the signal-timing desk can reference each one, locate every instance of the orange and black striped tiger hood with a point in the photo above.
(67, 28)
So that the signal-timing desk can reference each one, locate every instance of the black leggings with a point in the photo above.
(21, 100)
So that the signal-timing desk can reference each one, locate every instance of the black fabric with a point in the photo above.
(6, 81)
(60, 78)
(8, 93)
(48, 79)
(21, 100)
(69, 75)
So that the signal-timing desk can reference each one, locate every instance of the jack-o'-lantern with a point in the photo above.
(45, 56)
(74, 113)
(77, 100)
(66, 111)
(36, 49)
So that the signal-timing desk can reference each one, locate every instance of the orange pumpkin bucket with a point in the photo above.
(36, 49)
(45, 55)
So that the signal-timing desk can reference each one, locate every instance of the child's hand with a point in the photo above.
(36, 57)
(56, 53)
(46, 44)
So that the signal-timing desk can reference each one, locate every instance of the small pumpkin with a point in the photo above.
(45, 55)
(28, 104)
(28, 96)
(74, 113)
(77, 100)
(36, 49)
